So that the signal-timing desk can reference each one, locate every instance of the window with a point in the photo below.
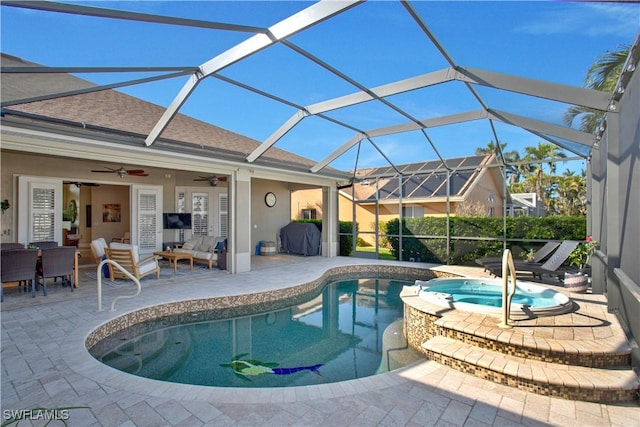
(309, 214)
(413, 211)
(223, 227)
(43, 213)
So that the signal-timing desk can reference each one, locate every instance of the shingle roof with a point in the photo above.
(115, 110)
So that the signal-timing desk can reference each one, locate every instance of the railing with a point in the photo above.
(507, 295)
(126, 273)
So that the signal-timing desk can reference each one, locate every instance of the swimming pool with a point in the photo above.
(350, 330)
(485, 296)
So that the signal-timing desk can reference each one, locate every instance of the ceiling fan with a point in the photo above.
(212, 179)
(122, 172)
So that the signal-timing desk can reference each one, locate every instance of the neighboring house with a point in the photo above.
(51, 149)
(525, 204)
(472, 187)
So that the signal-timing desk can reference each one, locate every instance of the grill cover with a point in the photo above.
(300, 238)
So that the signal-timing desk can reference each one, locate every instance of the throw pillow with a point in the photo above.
(191, 243)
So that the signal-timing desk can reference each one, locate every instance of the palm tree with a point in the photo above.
(543, 153)
(509, 157)
(603, 76)
(572, 193)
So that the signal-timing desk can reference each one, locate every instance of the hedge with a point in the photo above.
(464, 252)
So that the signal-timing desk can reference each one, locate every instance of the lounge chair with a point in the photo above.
(97, 249)
(126, 238)
(538, 256)
(550, 267)
(128, 257)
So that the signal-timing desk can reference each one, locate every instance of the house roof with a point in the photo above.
(424, 180)
(111, 110)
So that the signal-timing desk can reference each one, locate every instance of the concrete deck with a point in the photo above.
(45, 365)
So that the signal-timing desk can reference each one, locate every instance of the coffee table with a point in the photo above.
(174, 257)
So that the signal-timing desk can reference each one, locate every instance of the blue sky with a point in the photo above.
(374, 43)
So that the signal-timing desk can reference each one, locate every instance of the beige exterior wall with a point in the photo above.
(486, 192)
(266, 222)
(306, 199)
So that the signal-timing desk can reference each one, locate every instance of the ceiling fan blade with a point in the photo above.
(135, 171)
(138, 174)
(222, 178)
(112, 171)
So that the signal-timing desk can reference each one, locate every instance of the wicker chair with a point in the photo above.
(10, 246)
(44, 244)
(19, 265)
(57, 262)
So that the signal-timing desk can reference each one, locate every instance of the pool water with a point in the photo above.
(336, 336)
(485, 296)
(489, 293)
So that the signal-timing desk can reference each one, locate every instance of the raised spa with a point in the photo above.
(482, 295)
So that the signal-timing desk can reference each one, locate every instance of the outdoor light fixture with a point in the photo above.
(603, 126)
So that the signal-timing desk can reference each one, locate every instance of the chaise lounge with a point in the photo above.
(551, 267)
(538, 256)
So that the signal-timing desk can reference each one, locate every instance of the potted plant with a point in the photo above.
(582, 253)
(578, 282)
(530, 255)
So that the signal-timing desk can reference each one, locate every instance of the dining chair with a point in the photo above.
(44, 244)
(18, 265)
(57, 262)
(10, 246)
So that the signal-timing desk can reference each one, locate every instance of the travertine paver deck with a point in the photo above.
(44, 364)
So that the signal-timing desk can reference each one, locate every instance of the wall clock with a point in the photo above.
(270, 199)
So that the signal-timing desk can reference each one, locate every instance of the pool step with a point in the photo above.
(481, 330)
(545, 378)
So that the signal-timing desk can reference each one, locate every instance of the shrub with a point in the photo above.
(433, 248)
(346, 241)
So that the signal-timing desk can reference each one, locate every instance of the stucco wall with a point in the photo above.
(111, 190)
(266, 222)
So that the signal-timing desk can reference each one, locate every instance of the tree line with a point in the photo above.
(535, 170)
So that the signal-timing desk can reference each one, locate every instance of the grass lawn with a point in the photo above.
(383, 253)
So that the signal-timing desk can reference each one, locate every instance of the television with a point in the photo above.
(176, 221)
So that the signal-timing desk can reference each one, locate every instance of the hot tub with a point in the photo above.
(483, 295)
